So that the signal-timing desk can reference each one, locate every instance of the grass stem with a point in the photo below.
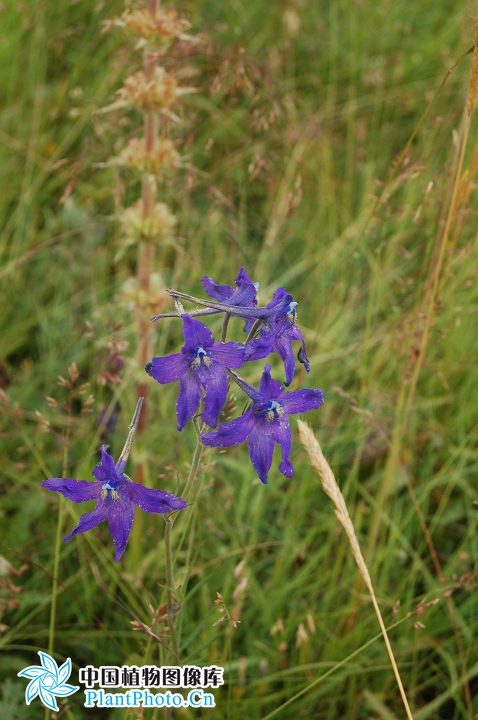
(330, 486)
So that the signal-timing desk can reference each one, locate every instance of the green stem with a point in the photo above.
(54, 589)
(170, 587)
(225, 323)
(194, 463)
(254, 329)
(56, 563)
(56, 559)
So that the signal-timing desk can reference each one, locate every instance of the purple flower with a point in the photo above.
(201, 364)
(116, 499)
(244, 295)
(278, 336)
(265, 423)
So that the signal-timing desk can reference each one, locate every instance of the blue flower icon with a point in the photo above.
(48, 681)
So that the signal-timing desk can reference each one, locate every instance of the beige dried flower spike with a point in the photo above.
(153, 300)
(330, 486)
(155, 92)
(163, 156)
(158, 27)
(165, 25)
(158, 226)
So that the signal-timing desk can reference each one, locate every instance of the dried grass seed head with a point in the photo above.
(330, 486)
(473, 85)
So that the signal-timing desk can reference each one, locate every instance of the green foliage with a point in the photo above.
(303, 109)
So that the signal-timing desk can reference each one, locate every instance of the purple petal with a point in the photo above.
(295, 333)
(277, 306)
(300, 401)
(154, 501)
(231, 433)
(302, 357)
(77, 490)
(120, 522)
(264, 426)
(281, 302)
(189, 396)
(245, 295)
(214, 379)
(89, 521)
(282, 434)
(218, 292)
(283, 347)
(243, 277)
(259, 348)
(168, 368)
(230, 354)
(280, 295)
(261, 449)
(269, 388)
(248, 388)
(105, 470)
(281, 298)
(195, 334)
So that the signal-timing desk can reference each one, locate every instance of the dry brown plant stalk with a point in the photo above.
(473, 86)
(330, 486)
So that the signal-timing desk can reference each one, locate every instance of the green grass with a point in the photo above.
(334, 106)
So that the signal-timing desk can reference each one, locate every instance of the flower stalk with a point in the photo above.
(146, 249)
(168, 545)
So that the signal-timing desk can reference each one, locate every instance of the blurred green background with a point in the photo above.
(303, 109)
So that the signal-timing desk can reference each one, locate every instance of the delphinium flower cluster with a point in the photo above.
(204, 369)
